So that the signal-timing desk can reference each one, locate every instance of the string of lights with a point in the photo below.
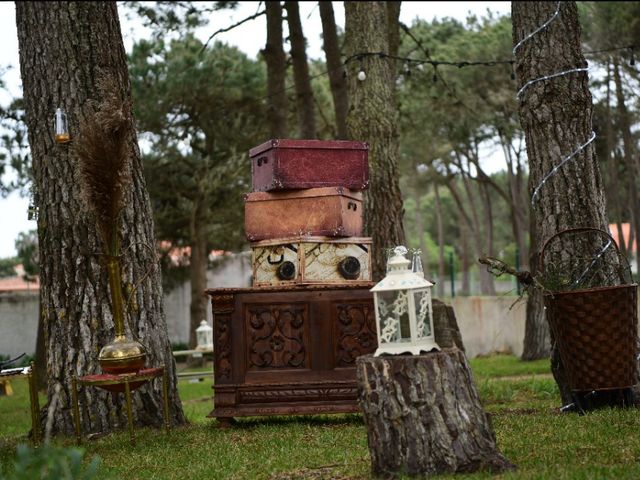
(563, 73)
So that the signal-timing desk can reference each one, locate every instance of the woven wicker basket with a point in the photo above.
(596, 332)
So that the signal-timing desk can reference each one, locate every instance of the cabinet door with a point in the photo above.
(277, 336)
(354, 331)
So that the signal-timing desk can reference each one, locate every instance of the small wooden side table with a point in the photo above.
(126, 382)
(30, 373)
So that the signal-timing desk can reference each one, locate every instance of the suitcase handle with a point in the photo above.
(277, 261)
(262, 161)
(352, 205)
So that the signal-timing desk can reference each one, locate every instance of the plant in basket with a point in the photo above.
(104, 172)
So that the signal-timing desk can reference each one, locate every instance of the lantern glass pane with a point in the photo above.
(393, 315)
(422, 302)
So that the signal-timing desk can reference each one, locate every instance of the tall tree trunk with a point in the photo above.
(615, 194)
(373, 118)
(304, 93)
(487, 286)
(630, 159)
(334, 66)
(472, 229)
(198, 273)
(537, 343)
(441, 259)
(556, 117)
(464, 260)
(424, 254)
(276, 72)
(64, 47)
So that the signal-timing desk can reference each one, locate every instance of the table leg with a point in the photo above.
(76, 408)
(127, 392)
(35, 405)
(165, 398)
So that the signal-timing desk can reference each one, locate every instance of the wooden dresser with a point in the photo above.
(289, 350)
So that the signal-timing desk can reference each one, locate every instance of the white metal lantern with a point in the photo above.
(404, 315)
(204, 336)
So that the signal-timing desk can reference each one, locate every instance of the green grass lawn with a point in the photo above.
(521, 397)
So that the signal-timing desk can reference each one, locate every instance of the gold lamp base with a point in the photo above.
(122, 356)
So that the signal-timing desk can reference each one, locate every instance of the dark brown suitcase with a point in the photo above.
(297, 164)
(329, 211)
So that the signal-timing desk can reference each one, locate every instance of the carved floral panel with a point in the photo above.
(355, 332)
(276, 336)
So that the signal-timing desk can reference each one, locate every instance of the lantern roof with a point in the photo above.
(204, 326)
(399, 276)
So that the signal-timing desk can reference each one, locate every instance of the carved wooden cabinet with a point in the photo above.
(289, 350)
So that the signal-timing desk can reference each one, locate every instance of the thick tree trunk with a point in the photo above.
(276, 72)
(334, 66)
(302, 82)
(64, 47)
(424, 416)
(556, 117)
(373, 118)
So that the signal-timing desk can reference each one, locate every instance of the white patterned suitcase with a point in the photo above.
(311, 260)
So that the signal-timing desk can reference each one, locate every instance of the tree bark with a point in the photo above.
(556, 117)
(41, 355)
(373, 118)
(64, 48)
(337, 72)
(276, 72)
(424, 416)
(302, 82)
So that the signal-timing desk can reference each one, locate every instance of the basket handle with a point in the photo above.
(576, 230)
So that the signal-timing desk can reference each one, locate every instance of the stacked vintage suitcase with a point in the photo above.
(288, 344)
(304, 216)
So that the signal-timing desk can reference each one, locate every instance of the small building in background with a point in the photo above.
(632, 253)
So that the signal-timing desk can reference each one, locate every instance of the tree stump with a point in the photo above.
(423, 415)
(445, 326)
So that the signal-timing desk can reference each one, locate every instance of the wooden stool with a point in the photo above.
(126, 382)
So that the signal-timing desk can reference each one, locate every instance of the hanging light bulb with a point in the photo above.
(362, 76)
(61, 126)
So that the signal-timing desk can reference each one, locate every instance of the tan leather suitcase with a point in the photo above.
(328, 211)
(311, 260)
